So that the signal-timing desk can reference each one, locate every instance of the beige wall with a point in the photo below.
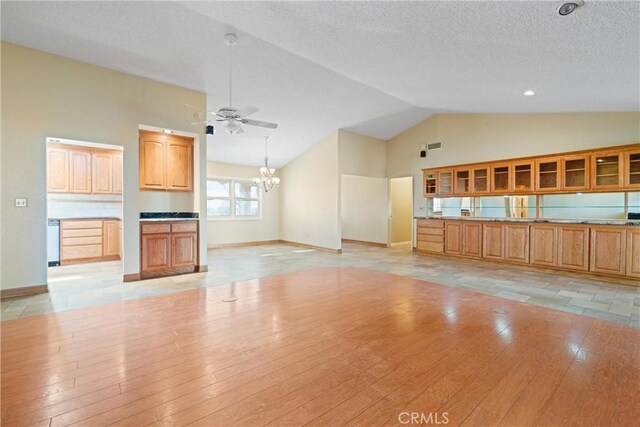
(400, 194)
(470, 138)
(244, 230)
(362, 155)
(364, 208)
(49, 96)
(310, 196)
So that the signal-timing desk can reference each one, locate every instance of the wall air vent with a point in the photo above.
(434, 146)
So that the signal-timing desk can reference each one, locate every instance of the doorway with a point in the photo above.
(401, 213)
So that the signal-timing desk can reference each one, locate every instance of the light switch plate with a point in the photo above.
(21, 203)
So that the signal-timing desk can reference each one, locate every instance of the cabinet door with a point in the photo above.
(573, 247)
(79, 171)
(632, 170)
(102, 182)
(608, 247)
(480, 180)
(472, 240)
(179, 165)
(548, 175)
(516, 243)
(522, 177)
(111, 238)
(57, 170)
(501, 178)
(155, 252)
(445, 183)
(152, 162)
(633, 252)
(462, 181)
(575, 172)
(430, 183)
(492, 241)
(117, 175)
(184, 249)
(544, 246)
(453, 237)
(606, 170)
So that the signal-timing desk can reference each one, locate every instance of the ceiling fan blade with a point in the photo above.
(259, 123)
(247, 110)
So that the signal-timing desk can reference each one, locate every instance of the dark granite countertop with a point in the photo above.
(167, 219)
(542, 221)
(169, 216)
(75, 218)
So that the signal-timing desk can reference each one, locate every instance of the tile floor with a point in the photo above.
(86, 285)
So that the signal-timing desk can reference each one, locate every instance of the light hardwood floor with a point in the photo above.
(321, 347)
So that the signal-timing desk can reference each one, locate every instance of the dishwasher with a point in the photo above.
(53, 242)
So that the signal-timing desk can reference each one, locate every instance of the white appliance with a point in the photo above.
(53, 242)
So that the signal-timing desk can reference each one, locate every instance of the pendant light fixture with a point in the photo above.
(267, 179)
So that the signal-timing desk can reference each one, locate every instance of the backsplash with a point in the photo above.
(84, 205)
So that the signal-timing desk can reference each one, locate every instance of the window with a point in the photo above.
(232, 198)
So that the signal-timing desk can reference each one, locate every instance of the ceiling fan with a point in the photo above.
(235, 117)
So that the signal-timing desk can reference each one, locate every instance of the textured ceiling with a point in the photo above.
(374, 68)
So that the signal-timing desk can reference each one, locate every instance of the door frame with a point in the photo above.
(389, 216)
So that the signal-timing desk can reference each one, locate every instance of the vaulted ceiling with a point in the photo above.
(376, 68)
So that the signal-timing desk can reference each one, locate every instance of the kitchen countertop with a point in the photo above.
(167, 219)
(74, 218)
(541, 221)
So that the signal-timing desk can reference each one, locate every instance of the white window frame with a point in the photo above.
(232, 199)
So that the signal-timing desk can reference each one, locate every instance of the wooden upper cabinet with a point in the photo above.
(575, 172)
(102, 173)
(548, 174)
(57, 170)
(80, 171)
(179, 165)
(462, 181)
(166, 162)
(480, 180)
(117, 174)
(430, 183)
(501, 178)
(632, 169)
(522, 177)
(606, 170)
(445, 183)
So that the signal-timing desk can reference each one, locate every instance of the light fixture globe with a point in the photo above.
(267, 179)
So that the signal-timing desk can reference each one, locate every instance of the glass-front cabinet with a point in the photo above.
(480, 180)
(522, 177)
(606, 170)
(632, 169)
(501, 177)
(445, 183)
(430, 183)
(548, 174)
(462, 181)
(575, 170)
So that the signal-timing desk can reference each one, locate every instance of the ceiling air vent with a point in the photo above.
(434, 146)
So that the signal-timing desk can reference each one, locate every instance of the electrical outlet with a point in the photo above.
(21, 203)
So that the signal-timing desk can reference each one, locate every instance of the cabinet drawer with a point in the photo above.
(70, 225)
(431, 231)
(431, 223)
(430, 238)
(184, 227)
(76, 241)
(156, 228)
(82, 232)
(79, 252)
(430, 247)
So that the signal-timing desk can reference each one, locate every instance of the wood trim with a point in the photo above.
(24, 291)
(363, 242)
(304, 245)
(243, 244)
(202, 268)
(133, 277)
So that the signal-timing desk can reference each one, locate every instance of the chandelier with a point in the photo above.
(267, 178)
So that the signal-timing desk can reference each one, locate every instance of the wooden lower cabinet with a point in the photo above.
(544, 245)
(430, 236)
(633, 253)
(573, 247)
(168, 248)
(472, 240)
(89, 240)
(453, 240)
(493, 241)
(608, 248)
(516, 243)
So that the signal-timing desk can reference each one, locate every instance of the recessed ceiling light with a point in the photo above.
(600, 160)
(568, 7)
(167, 131)
(528, 93)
